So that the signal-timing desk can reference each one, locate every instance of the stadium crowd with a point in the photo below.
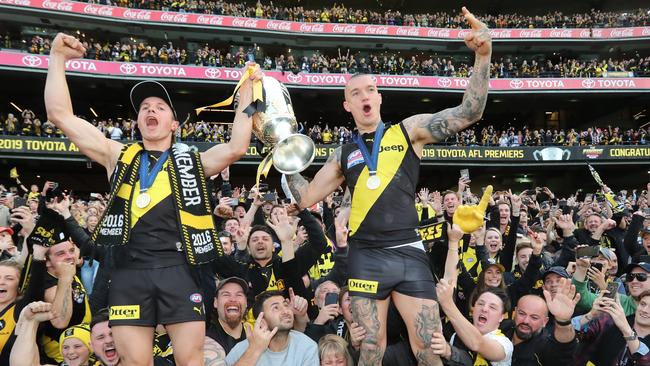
(386, 62)
(342, 14)
(28, 124)
(548, 277)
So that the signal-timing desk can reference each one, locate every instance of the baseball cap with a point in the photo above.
(491, 263)
(643, 265)
(558, 270)
(149, 88)
(238, 280)
(645, 230)
(7, 229)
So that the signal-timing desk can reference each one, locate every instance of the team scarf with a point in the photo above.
(190, 195)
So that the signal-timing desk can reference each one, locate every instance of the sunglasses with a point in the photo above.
(641, 277)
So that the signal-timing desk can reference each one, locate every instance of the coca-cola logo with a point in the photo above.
(379, 30)
(463, 33)
(244, 22)
(212, 73)
(348, 29)
(588, 83)
(32, 61)
(501, 33)
(92, 9)
(57, 5)
(209, 19)
(619, 33)
(128, 69)
(525, 33)
(174, 17)
(294, 78)
(16, 2)
(444, 82)
(585, 33)
(411, 32)
(645, 32)
(516, 84)
(561, 33)
(279, 26)
(312, 27)
(137, 14)
(438, 33)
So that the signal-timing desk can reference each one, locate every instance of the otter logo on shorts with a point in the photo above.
(124, 312)
(368, 287)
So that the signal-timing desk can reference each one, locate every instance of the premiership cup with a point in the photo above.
(277, 128)
(552, 153)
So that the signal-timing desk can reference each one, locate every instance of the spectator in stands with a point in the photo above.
(332, 351)
(272, 340)
(227, 328)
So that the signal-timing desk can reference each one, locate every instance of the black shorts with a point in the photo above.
(376, 272)
(149, 297)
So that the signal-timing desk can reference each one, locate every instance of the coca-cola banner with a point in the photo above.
(141, 15)
(162, 71)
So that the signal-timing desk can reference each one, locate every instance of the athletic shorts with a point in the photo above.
(148, 297)
(376, 272)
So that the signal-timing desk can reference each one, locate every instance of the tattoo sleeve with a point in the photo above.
(298, 186)
(365, 314)
(346, 202)
(427, 321)
(213, 353)
(446, 123)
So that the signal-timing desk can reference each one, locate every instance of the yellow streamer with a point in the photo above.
(13, 173)
(257, 92)
(264, 167)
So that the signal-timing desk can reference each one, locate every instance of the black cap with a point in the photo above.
(643, 265)
(50, 229)
(558, 270)
(240, 281)
(645, 230)
(150, 88)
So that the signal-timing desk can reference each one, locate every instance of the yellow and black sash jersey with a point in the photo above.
(80, 314)
(385, 216)
(8, 319)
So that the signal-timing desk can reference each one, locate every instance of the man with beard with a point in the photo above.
(230, 303)
(533, 343)
(271, 341)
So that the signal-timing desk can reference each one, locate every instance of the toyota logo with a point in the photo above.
(516, 84)
(444, 82)
(128, 69)
(212, 73)
(32, 61)
(294, 78)
(588, 83)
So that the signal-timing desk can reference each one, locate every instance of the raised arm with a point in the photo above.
(220, 156)
(25, 350)
(328, 178)
(90, 141)
(429, 128)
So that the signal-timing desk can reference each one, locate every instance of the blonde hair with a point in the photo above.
(333, 344)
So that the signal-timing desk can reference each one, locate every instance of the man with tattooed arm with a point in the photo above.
(387, 260)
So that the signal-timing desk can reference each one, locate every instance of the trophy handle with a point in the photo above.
(566, 152)
(537, 155)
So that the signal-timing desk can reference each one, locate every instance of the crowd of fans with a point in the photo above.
(27, 124)
(388, 63)
(342, 14)
(548, 277)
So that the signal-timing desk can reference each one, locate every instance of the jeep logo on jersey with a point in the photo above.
(399, 148)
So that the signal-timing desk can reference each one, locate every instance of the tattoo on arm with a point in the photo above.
(213, 353)
(298, 186)
(446, 123)
(346, 202)
(427, 321)
(365, 314)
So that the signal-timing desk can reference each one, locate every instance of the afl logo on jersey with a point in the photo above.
(355, 158)
(196, 298)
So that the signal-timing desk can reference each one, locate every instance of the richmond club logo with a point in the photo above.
(444, 82)
(588, 83)
(128, 69)
(212, 73)
(294, 78)
(516, 84)
(32, 61)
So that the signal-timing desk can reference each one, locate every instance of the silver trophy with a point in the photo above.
(277, 128)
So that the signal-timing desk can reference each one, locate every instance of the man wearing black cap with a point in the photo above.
(158, 218)
(231, 305)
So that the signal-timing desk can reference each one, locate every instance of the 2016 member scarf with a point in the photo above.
(187, 180)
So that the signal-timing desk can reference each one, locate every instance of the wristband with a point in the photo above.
(563, 323)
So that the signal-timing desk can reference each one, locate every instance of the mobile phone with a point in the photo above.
(590, 252)
(19, 202)
(263, 187)
(464, 173)
(269, 197)
(331, 298)
(612, 289)
(589, 197)
(598, 266)
(234, 202)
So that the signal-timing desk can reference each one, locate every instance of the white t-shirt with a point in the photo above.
(302, 351)
(496, 335)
